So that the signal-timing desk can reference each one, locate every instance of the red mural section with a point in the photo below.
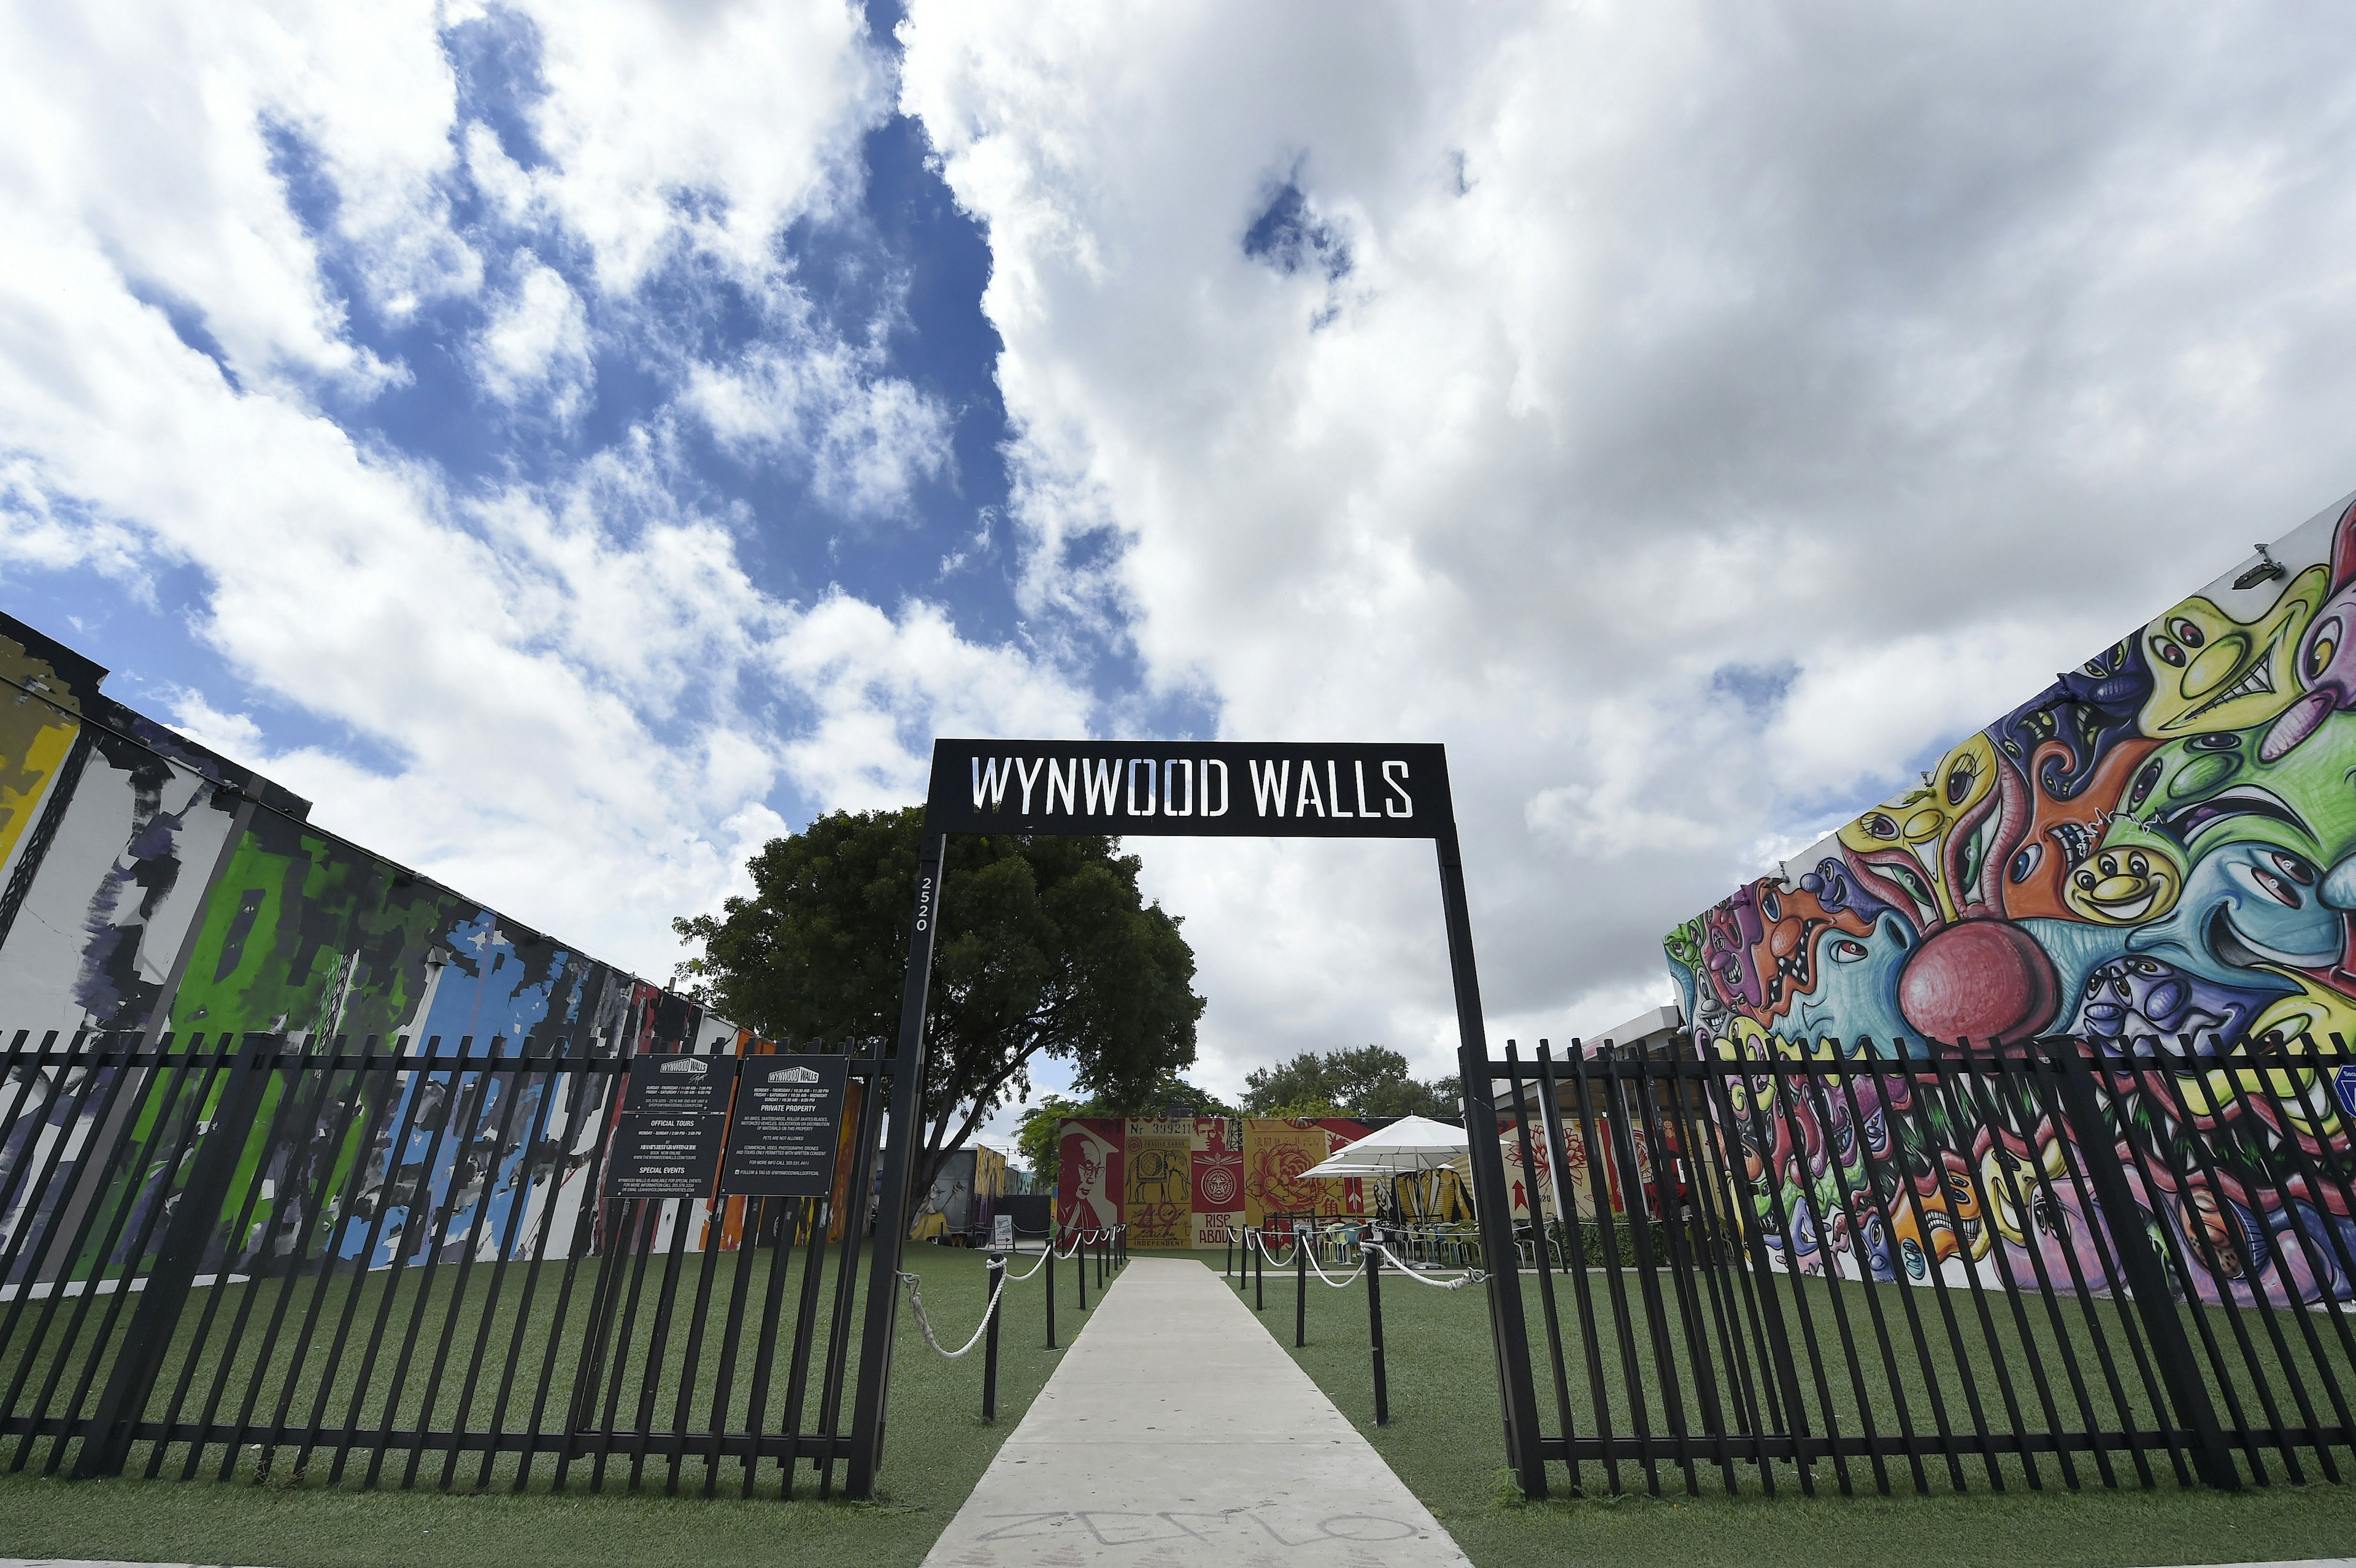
(1090, 1168)
(1190, 1181)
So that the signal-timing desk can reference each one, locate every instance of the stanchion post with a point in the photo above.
(1229, 1272)
(1259, 1271)
(1049, 1266)
(1300, 1288)
(1374, 1257)
(994, 1277)
(1080, 1266)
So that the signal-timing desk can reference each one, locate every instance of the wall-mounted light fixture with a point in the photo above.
(2267, 569)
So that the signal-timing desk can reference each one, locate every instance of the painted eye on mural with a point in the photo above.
(1770, 908)
(2185, 632)
(1959, 778)
(2138, 866)
(2145, 782)
(2085, 880)
(2168, 652)
(2025, 864)
(2326, 641)
(1910, 883)
(2222, 740)
(1848, 951)
(2292, 871)
(1881, 825)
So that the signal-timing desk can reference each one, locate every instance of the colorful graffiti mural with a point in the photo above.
(2158, 852)
(152, 887)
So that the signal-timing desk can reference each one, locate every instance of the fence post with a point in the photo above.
(1080, 1267)
(107, 1439)
(1259, 1271)
(1049, 1266)
(1517, 1395)
(2155, 1304)
(1374, 1257)
(994, 1275)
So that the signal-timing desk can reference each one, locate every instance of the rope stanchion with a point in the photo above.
(915, 1284)
(1470, 1276)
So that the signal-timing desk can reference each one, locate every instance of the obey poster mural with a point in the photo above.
(1218, 1179)
(1089, 1173)
(1160, 1159)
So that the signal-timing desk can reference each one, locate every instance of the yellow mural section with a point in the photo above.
(34, 736)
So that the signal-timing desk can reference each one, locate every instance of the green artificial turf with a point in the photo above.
(937, 1447)
(1446, 1441)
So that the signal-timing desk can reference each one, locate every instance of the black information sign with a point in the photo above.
(781, 1139)
(674, 1119)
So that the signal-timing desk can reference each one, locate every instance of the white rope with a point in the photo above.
(1470, 1276)
(1035, 1268)
(1259, 1239)
(916, 1299)
(1087, 1238)
(1328, 1279)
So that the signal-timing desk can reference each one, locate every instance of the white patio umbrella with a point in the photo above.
(1412, 1143)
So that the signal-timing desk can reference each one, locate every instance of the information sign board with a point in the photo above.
(674, 1117)
(788, 1116)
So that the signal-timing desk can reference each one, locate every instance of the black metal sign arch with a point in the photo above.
(1188, 789)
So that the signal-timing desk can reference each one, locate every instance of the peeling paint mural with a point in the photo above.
(2158, 852)
(151, 887)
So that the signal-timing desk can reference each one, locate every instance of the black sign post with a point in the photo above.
(1190, 789)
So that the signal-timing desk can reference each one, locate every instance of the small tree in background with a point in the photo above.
(1046, 948)
(1362, 1080)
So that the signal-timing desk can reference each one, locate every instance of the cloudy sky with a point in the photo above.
(575, 442)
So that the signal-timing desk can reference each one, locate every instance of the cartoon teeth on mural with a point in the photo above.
(2156, 853)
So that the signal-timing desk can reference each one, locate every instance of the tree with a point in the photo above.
(1039, 1140)
(1046, 948)
(1363, 1080)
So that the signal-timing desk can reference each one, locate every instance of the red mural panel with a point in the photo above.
(1089, 1172)
(1218, 1168)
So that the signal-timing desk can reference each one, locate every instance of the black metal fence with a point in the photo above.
(379, 1266)
(2070, 1261)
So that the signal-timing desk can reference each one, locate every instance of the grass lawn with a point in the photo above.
(936, 1448)
(1445, 1442)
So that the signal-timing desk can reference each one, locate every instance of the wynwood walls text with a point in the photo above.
(1395, 790)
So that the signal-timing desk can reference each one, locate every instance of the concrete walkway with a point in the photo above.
(1176, 1432)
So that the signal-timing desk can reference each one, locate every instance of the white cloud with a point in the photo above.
(546, 680)
(700, 127)
(1911, 355)
(865, 438)
(537, 341)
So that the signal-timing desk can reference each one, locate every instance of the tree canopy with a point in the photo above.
(1362, 1080)
(1046, 947)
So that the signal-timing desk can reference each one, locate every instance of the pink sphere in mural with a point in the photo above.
(1982, 981)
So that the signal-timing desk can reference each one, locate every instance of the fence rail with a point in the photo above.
(2089, 1261)
(248, 1254)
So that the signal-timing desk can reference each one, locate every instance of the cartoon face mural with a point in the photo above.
(1938, 852)
(2326, 663)
(2062, 736)
(1858, 989)
(2211, 672)
(2157, 854)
